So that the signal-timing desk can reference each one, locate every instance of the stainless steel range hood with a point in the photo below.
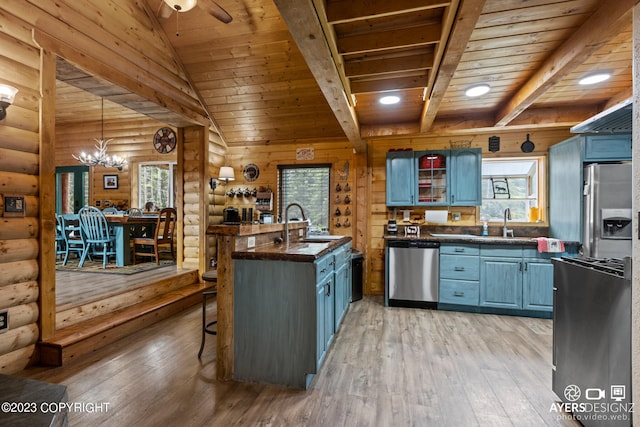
(617, 119)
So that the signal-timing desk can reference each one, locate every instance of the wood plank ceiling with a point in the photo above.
(292, 70)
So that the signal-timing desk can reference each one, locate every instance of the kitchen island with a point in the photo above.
(289, 301)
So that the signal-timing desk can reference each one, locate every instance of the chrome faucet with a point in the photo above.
(505, 230)
(286, 220)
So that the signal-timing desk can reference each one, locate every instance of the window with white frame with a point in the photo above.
(156, 183)
(307, 185)
(514, 183)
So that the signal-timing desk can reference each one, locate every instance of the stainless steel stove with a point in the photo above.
(616, 266)
(592, 338)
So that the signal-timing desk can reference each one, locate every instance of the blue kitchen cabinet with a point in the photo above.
(537, 284)
(606, 148)
(342, 280)
(434, 178)
(459, 274)
(466, 177)
(501, 282)
(400, 178)
(495, 278)
(431, 178)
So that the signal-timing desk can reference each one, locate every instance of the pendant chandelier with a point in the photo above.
(100, 156)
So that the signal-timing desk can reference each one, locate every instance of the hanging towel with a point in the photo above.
(546, 244)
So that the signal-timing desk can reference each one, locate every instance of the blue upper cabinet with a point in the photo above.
(400, 178)
(432, 178)
(603, 148)
(466, 177)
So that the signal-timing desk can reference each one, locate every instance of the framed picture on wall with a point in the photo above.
(110, 182)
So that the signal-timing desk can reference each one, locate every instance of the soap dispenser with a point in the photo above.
(485, 228)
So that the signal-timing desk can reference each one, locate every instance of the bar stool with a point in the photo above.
(210, 276)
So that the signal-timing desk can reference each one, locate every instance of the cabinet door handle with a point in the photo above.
(520, 266)
(324, 270)
(328, 289)
(458, 250)
(526, 266)
(453, 198)
(458, 293)
(458, 268)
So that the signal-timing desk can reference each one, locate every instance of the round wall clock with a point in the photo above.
(251, 172)
(164, 140)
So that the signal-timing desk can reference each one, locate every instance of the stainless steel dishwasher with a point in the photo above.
(413, 273)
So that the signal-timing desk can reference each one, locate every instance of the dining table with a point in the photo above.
(124, 226)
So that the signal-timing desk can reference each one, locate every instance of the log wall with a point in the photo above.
(19, 170)
(108, 39)
(131, 139)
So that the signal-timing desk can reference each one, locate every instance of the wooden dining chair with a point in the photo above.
(98, 240)
(73, 237)
(163, 235)
(60, 240)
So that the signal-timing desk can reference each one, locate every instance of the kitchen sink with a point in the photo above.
(321, 238)
(453, 235)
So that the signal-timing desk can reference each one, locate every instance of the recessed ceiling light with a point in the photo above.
(477, 90)
(594, 78)
(388, 100)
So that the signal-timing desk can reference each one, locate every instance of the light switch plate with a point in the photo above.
(251, 242)
(300, 232)
(4, 321)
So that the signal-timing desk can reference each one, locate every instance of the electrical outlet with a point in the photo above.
(4, 321)
(300, 232)
(251, 241)
(455, 216)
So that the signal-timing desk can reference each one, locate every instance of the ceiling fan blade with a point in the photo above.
(218, 12)
(164, 11)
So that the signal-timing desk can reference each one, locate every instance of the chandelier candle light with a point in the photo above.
(100, 157)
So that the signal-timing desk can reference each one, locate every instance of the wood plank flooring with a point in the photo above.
(387, 367)
(75, 288)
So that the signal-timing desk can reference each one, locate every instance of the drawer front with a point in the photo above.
(459, 292)
(460, 249)
(510, 251)
(324, 267)
(459, 267)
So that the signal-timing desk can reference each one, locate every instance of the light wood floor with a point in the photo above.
(76, 288)
(387, 367)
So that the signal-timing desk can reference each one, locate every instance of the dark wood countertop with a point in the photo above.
(297, 251)
(490, 240)
(252, 229)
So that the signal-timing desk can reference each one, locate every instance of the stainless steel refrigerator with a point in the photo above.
(607, 210)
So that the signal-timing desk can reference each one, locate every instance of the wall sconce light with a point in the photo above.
(226, 175)
(7, 95)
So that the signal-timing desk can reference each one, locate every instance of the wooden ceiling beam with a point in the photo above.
(398, 38)
(604, 24)
(388, 65)
(382, 84)
(465, 21)
(339, 11)
(305, 27)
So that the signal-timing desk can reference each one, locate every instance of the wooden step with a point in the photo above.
(71, 314)
(89, 335)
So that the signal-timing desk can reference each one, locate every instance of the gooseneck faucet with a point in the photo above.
(286, 220)
(505, 230)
